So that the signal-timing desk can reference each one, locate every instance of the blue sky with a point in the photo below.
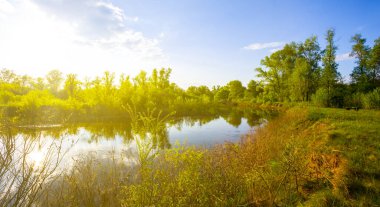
(204, 42)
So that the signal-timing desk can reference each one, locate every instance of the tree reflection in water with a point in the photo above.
(127, 129)
(31, 152)
(26, 164)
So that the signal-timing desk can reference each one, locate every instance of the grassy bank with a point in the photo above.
(356, 137)
(305, 157)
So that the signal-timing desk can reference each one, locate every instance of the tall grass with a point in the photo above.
(300, 158)
(307, 156)
(23, 178)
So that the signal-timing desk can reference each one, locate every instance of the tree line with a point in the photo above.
(305, 72)
(299, 72)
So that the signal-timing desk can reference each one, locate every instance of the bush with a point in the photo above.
(371, 100)
(320, 98)
(354, 100)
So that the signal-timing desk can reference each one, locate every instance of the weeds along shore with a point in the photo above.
(306, 156)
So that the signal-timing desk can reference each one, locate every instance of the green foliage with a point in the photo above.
(54, 80)
(299, 72)
(371, 100)
(279, 67)
(299, 80)
(200, 93)
(310, 51)
(374, 63)
(222, 95)
(6, 97)
(321, 97)
(330, 74)
(360, 74)
(355, 100)
(72, 85)
(306, 156)
(236, 90)
(254, 91)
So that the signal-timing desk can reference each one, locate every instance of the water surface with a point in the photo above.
(120, 136)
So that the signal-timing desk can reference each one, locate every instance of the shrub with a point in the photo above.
(371, 100)
(354, 100)
(321, 98)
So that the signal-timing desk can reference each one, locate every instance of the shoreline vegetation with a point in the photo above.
(307, 156)
(299, 73)
(315, 153)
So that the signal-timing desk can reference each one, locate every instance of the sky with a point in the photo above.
(204, 42)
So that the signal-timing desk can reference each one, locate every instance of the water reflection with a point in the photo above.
(95, 132)
(26, 162)
(37, 147)
(124, 131)
(126, 136)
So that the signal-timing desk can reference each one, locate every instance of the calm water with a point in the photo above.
(214, 132)
(102, 138)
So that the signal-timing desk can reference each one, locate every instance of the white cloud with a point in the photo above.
(132, 19)
(84, 37)
(117, 13)
(344, 57)
(5, 7)
(260, 46)
(275, 49)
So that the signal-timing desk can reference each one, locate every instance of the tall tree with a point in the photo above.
(310, 51)
(54, 80)
(7, 76)
(163, 78)
(39, 84)
(107, 82)
(375, 63)
(236, 90)
(125, 90)
(278, 69)
(300, 80)
(222, 94)
(141, 79)
(330, 75)
(360, 74)
(253, 90)
(72, 85)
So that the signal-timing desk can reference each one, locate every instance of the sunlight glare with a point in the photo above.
(36, 157)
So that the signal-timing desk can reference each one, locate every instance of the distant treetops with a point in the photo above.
(299, 72)
(304, 72)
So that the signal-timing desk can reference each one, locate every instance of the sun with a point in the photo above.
(36, 157)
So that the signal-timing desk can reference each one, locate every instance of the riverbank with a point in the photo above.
(306, 156)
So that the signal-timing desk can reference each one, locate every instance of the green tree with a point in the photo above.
(222, 95)
(108, 83)
(236, 90)
(330, 75)
(310, 51)
(141, 79)
(253, 90)
(277, 70)
(374, 63)
(7, 76)
(39, 84)
(300, 80)
(72, 85)
(163, 78)
(360, 74)
(126, 90)
(54, 80)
